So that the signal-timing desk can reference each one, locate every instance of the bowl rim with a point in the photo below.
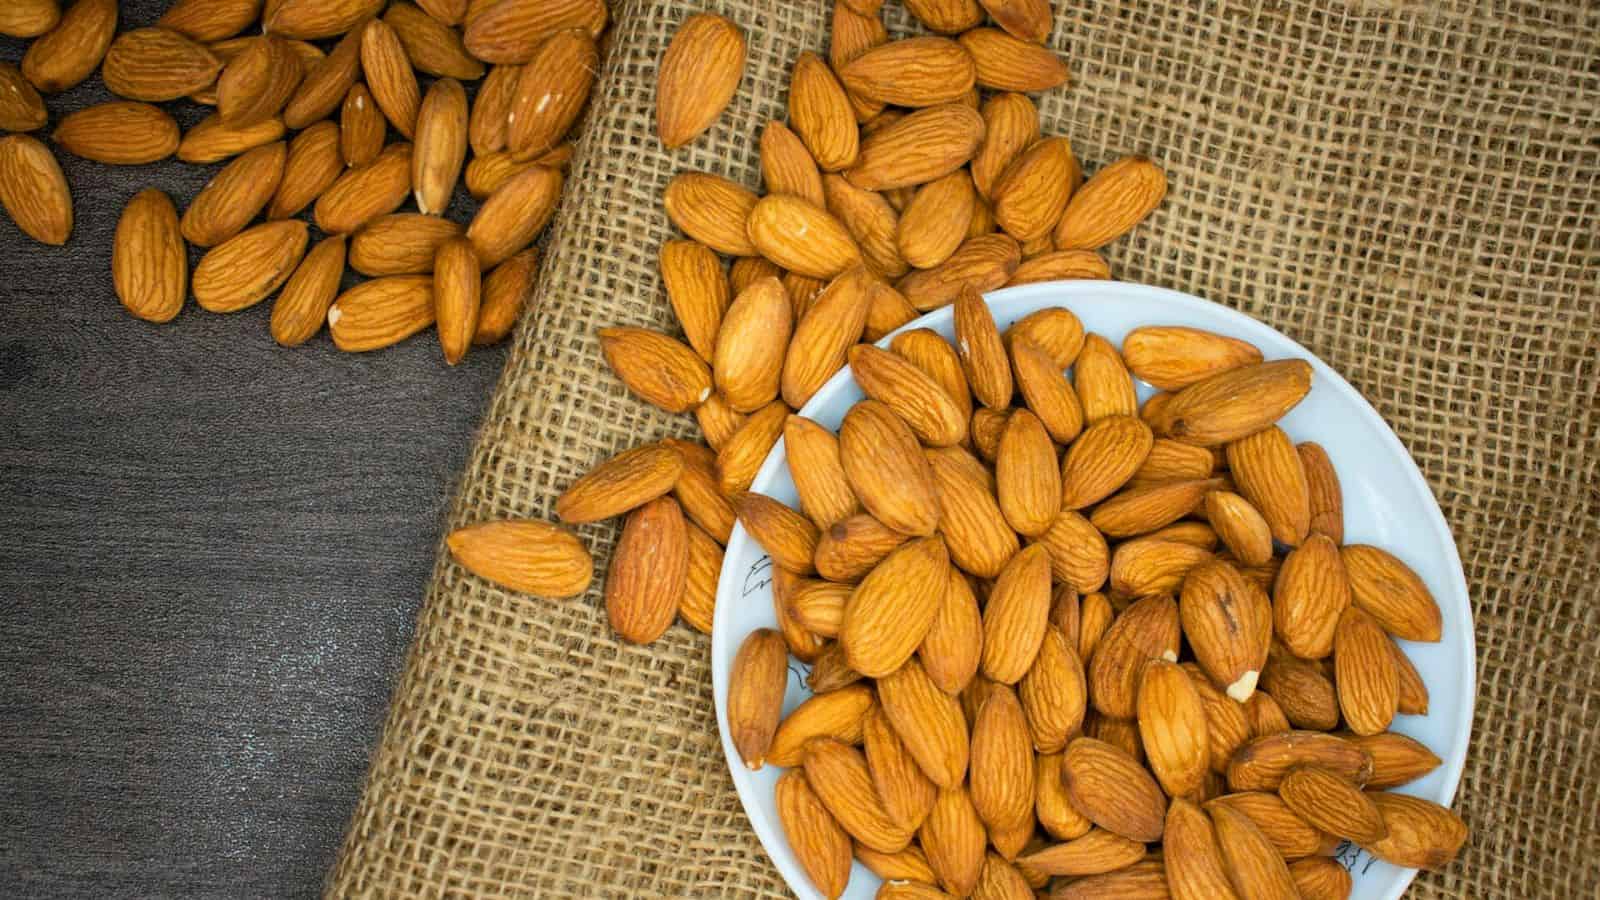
(1070, 295)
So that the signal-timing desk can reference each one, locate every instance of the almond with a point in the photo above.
(894, 606)
(824, 334)
(70, 51)
(801, 237)
(934, 224)
(1096, 851)
(515, 214)
(34, 190)
(657, 368)
(909, 865)
(1027, 481)
(1227, 727)
(787, 166)
(981, 264)
(505, 291)
(552, 91)
(1221, 614)
(441, 145)
(1261, 764)
(1171, 460)
(326, 82)
(1391, 593)
(1046, 391)
(951, 650)
(1289, 834)
(925, 145)
(1192, 858)
(1151, 566)
(156, 64)
(1146, 630)
(302, 306)
(1056, 331)
(980, 539)
(1173, 357)
(489, 125)
(821, 846)
(1113, 791)
(1265, 715)
(801, 291)
(787, 536)
(457, 286)
(1054, 693)
(1172, 728)
(366, 192)
(1008, 63)
(915, 72)
(825, 495)
(313, 19)
(1031, 193)
(524, 555)
(946, 17)
(870, 220)
(699, 74)
(1103, 459)
(982, 353)
(713, 211)
(1233, 404)
(886, 469)
(756, 685)
(929, 351)
(1055, 811)
(1311, 594)
(1103, 383)
(1421, 834)
(1322, 483)
(149, 267)
(1251, 861)
(1321, 879)
(210, 20)
(510, 31)
(379, 313)
(836, 714)
(1240, 527)
(1002, 762)
(930, 723)
(1267, 469)
(750, 347)
(21, 107)
(1094, 620)
(1079, 557)
(987, 427)
(1028, 20)
(839, 775)
(999, 880)
(906, 794)
(1011, 125)
(257, 83)
(1366, 674)
(1332, 804)
(211, 140)
(29, 18)
(820, 112)
(362, 127)
(1111, 203)
(1140, 510)
(1061, 265)
(312, 164)
(390, 78)
(431, 45)
(400, 244)
(1396, 759)
(245, 269)
(743, 452)
(911, 393)
(649, 568)
(1413, 692)
(121, 133)
(622, 483)
(954, 839)
(697, 287)
(234, 196)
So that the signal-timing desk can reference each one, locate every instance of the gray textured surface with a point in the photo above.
(211, 554)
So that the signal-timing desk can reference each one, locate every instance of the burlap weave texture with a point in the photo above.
(1411, 190)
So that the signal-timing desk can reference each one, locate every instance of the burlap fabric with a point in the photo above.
(1408, 189)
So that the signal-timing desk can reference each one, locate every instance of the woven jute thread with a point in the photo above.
(1410, 190)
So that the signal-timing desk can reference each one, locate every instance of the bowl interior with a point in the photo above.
(1386, 503)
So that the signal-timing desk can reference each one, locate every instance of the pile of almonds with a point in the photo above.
(367, 138)
(1058, 640)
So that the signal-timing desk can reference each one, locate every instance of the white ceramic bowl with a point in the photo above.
(1386, 503)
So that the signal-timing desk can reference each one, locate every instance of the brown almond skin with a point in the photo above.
(787, 166)
(922, 402)
(747, 363)
(907, 794)
(1289, 834)
(698, 606)
(34, 190)
(1413, 692)
(257, 84)
(1054, 692)
(1192, 858)
(119, 133)
(1172, 728)
(1046, 391)
(441, 145)
(983, 354)
(157, 64)
(1312, 592)
(488, 128)
(1365, 673)
(312, 165)
(894, 606)
(1332, 804)
(1056, 814)
(913, 72)
(1103, 459)
(1253, 863)
(839, 775)
(1011, 126)
(499, 32)
(1327, 501)
(149, 267)
(1389, 591)
(743, 452)
(1172, 357)
(824, 334)
(1001, 766)
(981, 264)
(1111, 203)
(756, 685)
(712, 210)
(648, 570)
(886, 469)
(1421, 834)
(1222, 616)
(524, 555)
(1094, 852)
(326, 82)
(820, 112)
(515, 214)
(506, 290)
(1261, 764)
(929, 721)
(1240, 526)
(801, 237)
(935, 222)
(302, 306)
(400, 244)
(1032, 192)
(1302, 691)
(1113, 790)
(1061, 265)
(1267, 469)
(552, 91)
(925, 145)
(951, 651)
(980, 539)
(247, 268)
(849, 548)
(233, 198)
(211, 141)
(836, 713)
(1007, 63)
(871, 220)
(787, 536)
(431, 45)
(822, 847)
(1233, 404)
(364, 193)
(1079, 556)
(21, 107)
(29, 18)
(382, 312)
(625, 481)
(699, 74)
(813, 458)
(1320, 878)
(954, 839)
(1057, 332)
(71, 51)
(697, 287)
(362, 127)
(946, 16)
(1017, 614)
(457, 285)
(314, 19)
(929, 351)
(1148, 629)
(1028, 483)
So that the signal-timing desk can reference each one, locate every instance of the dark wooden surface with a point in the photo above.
(211, 553)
